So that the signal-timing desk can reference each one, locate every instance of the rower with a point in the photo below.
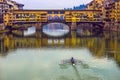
(72, 61)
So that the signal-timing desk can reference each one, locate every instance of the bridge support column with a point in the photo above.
(39, 26)
(73, 26)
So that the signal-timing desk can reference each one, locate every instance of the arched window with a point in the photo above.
(56, 12)
(62, 17)
(62, 12)
(56, 17)
(49, 12)
(49, 17)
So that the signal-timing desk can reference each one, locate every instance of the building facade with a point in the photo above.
(6, 5)
(95, 5)
(112, 10)
(3, 7)
(39, 16)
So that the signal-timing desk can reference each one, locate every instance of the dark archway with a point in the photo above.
(89, 29)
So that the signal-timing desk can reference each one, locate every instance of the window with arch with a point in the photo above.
(56, 17)
(50, 18)
(62, 17)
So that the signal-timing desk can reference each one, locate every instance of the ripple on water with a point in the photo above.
(43, 64)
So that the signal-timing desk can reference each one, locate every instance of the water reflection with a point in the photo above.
(84, 32)
(34, 58)
(106, 46)
(36, 64)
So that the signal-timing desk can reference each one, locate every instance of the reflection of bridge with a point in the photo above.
(97, 46)
(72, 40)
(41, 17)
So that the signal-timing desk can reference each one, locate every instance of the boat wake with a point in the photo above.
(66, 63)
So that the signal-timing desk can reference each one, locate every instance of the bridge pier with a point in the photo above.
(38, 26)
(73, 26)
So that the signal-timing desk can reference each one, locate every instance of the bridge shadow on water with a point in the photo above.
(50, 29)
(13, 40)
(41, 34)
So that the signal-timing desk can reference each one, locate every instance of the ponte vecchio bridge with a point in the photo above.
(72, 18)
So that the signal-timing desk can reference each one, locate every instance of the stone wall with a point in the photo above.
(1, 26)
(110, 26)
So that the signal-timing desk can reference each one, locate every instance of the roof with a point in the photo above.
(17, 3)
(90, 3)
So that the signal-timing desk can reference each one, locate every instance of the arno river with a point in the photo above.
(39, 57)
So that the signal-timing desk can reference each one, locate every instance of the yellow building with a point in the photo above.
(14, 5)
(117, 11)
(3, 7)
(112, 10)
(95, 5)
(16, 16)
(6, 5)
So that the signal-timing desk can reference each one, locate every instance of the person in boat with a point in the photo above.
(72, 60)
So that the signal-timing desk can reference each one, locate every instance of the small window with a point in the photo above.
(62, 12)
(49, 12)
(55, 12)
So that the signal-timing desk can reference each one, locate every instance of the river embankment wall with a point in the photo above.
(111, 26)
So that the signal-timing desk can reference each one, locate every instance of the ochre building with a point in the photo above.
(29, 16)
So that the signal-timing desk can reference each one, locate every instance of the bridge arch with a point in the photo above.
(55, 29)
(89, 29)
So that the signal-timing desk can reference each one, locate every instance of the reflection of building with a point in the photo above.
(108, 46)
(6, 5)
(3, 7)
